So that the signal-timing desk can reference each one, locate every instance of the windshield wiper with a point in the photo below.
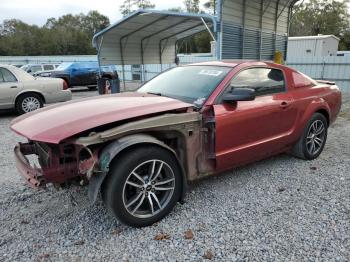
(153, 93)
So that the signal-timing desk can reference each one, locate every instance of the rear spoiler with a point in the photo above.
(326, 82)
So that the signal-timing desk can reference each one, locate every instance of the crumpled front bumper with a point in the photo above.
(54, 167)
(32, 174)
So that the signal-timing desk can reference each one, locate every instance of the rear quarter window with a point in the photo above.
(6, 76)
(300, 80)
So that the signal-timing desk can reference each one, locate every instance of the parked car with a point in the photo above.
(25, 93)
(80, 73)
(141, 149)
(34, 68)
(45, 73)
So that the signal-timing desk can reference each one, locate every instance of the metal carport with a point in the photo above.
(148, 37)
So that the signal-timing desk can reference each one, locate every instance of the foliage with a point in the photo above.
(130, 6)
(192, 6)
(210, 6)
(326, 17)
(199, 43)
(67, 35)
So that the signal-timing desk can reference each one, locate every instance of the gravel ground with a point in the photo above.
(277, 209)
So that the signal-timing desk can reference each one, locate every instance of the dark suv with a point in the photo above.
(81, 73)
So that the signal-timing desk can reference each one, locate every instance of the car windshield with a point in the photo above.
(63, 66)
(191, 84)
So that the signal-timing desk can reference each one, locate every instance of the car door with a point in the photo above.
(251, 130)
(9, 88)
(83, 73)
(92, 75)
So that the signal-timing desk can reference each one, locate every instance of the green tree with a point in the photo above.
(176, 9)
(322, 17)
(192, 6)
(144, 4)
(130, 6)
(210, 6)
(66, 35)
(126, 8)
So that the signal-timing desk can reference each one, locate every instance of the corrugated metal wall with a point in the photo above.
(333, 68)
(254, 29)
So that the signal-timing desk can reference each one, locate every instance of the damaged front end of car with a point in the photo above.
(57, 164)
(85, 158)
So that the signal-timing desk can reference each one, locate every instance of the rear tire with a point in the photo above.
(29, 102)
(313, 139)
(142, 186)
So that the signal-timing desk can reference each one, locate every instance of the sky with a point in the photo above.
(37, 11)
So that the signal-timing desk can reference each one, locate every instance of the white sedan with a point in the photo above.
(25, 93)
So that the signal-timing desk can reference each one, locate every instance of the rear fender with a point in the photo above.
(27, 91)
(316, 105)
(108, 153)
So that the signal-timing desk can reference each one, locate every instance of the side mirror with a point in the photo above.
(239, 94)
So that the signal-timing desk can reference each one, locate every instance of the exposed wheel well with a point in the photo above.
(30, 92)
(325, 114)
(108, 154)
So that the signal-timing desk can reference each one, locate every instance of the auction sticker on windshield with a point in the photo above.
(210, 72)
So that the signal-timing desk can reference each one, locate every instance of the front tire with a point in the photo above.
(28, 102)
(313, 139)
(143, 186)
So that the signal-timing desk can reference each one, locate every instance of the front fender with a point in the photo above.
(108, 153)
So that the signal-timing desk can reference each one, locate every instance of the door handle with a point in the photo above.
(284, 104)
(13, 87)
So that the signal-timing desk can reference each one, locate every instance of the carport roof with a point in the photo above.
(148, 36)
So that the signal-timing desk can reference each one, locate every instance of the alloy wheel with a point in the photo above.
(148, 188)
(315, 137)
(30, 104)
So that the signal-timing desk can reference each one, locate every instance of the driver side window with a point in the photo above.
(264, 81)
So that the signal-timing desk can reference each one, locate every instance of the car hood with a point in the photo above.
(55, 123)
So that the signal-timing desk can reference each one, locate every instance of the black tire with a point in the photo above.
(302, 148)
(28, 102)
(116, 190)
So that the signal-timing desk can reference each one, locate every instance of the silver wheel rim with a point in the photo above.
(315, 137)
(30, 104)
(148, 189)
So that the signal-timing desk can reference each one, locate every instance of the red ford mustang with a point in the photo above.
(141, 149)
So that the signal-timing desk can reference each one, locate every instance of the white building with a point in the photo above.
(306, 46)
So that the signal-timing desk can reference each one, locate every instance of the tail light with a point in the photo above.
(65, 85)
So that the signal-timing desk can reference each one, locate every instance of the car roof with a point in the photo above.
(234, 63)
(7, 66)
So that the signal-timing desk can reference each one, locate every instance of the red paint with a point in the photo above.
(271, 124)
(54, 123)
(245, 132)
